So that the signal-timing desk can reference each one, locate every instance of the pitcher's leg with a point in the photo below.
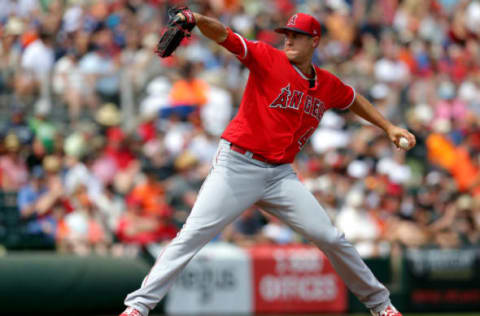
(289, 200)
(217, 205)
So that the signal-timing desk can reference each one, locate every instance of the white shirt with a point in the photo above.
(389, 71)
(38, 58)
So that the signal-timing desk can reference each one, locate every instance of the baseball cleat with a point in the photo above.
(390, 310)
(130, 311)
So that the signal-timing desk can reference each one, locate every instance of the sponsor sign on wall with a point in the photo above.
(443, 279)
(295, 278)
(217, 281)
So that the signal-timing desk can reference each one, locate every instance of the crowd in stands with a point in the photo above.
(104, 146)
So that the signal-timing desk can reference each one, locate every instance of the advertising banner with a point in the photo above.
(217, 281)
(296, 278)
(443, 280)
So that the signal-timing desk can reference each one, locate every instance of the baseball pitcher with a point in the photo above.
(284, 100)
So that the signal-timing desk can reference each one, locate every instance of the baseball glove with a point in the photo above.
(176, 29)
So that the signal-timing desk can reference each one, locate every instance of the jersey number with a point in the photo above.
(302, 140)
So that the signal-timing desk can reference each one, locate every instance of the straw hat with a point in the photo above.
(108, 115)
(185, 161)
(14, 26)
(75, 145)
(52, 164)
(11, 142)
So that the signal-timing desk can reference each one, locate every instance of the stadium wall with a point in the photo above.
(224, 279)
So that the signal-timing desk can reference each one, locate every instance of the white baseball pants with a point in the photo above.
(235, 183)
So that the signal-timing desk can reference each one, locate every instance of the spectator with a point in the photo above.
(188, 93)
(357, 224)
(71, 85)
(35, 158)
(78, 173)
(10, 52)
(35, 73)
(150, 192)
(12, 165)
(41, 126)
(140, 227)
(278, 232)
(82, 231)
(36, 202)
(111, 207)
(247, 229)
(17, 125)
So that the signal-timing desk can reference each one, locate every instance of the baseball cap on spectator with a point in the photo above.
(108, 115)
(12, 142)
(14, 26)
(185, 161)
(464, 202)
(302, 23)
(52, 164)
(75, 145)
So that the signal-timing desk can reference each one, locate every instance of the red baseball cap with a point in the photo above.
(302, 23)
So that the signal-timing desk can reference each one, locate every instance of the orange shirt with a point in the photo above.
(152, 196)
(464, 171)
(441, 151)
(189, 93)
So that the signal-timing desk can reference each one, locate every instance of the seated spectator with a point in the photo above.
(69, 83)
(41, 126)
(139, 227)
(246, 230)
(81, 231)
(187, 94)
(10, 51)
(78, 173)
(37, 62)
(278, 232)
(360, 227)
(407, 233)
(38, 153)
(36, 201)
(12, 164)
(150, 192)
(111, 206)
(117, 149)
(19, 126)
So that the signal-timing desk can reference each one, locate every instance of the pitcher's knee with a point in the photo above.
(330, 238)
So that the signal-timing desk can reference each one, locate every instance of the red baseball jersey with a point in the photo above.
(279, 111)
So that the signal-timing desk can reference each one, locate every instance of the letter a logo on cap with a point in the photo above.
(292, 20)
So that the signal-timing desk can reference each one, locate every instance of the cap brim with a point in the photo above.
(285, 29)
